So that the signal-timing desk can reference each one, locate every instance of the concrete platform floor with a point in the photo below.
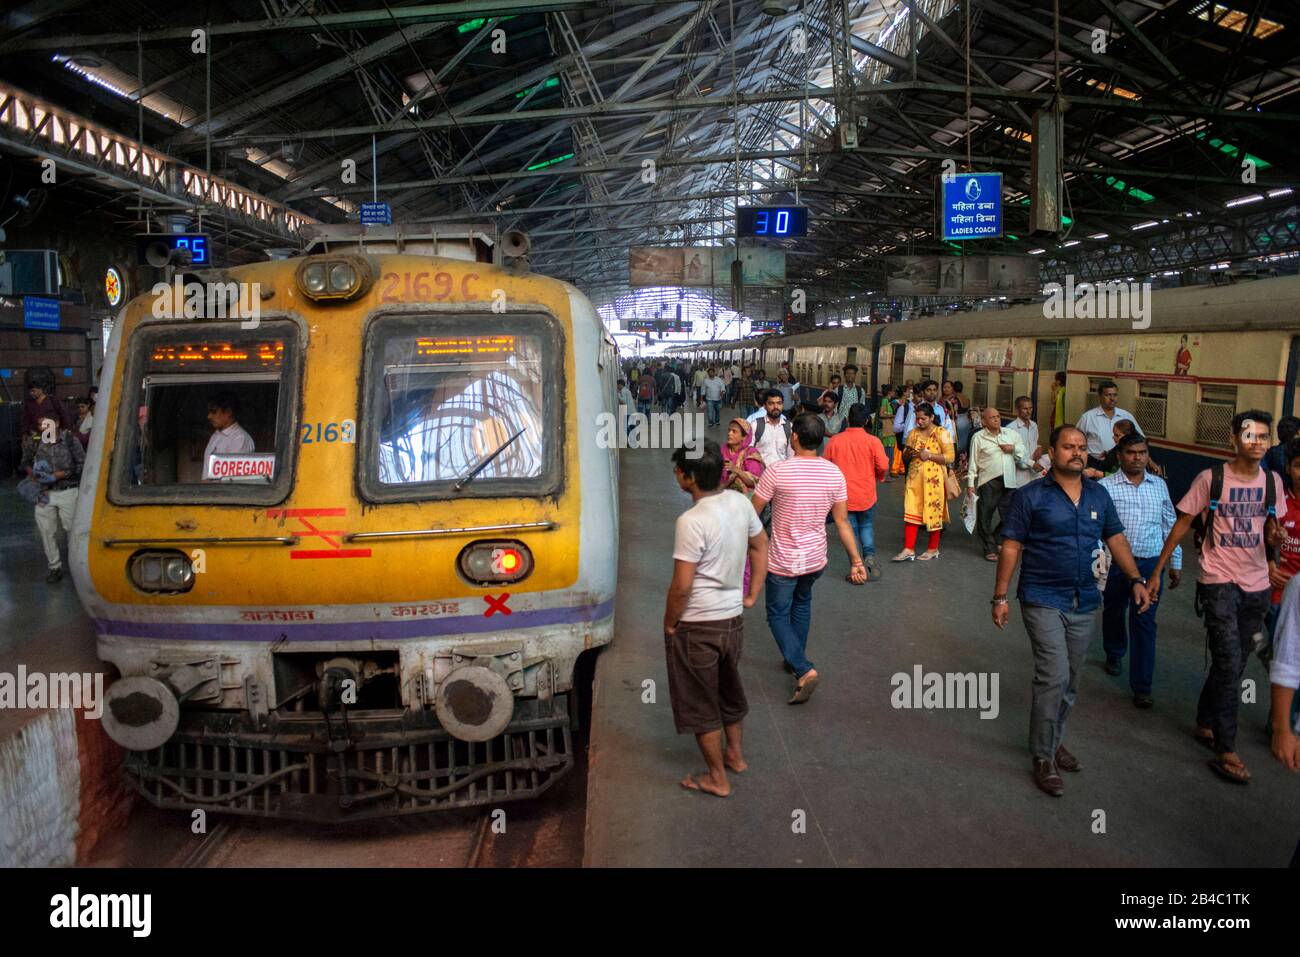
(880, 786)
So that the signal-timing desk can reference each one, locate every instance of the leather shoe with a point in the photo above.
(1066, 761)
(1142, 701)
(1047, 779)
(1112, 667)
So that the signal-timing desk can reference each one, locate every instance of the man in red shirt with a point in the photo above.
(802, 491)
(861, 457)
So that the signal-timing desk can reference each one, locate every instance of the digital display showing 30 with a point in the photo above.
(772, 222)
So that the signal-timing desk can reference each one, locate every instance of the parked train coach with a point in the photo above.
(1208, 352)
(345, 552)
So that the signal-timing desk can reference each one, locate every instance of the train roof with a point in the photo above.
(1236, 307)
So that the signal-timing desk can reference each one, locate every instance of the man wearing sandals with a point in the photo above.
(1233, 588)
(802, 490)
(1057, 522)
(703, 628)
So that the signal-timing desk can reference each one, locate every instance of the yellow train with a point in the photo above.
(347, 528)
(1208, 352)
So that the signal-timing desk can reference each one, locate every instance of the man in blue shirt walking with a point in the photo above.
(1059, 523)
(1143, 503)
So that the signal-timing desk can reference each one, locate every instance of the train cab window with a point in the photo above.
(461, 406)
(207, 414)
(980, 395)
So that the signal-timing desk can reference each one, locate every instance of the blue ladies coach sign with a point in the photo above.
(970, 206)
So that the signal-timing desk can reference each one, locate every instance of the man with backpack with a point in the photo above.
(672, 392)
(772, 430)
(645, 393)
(1236, 503)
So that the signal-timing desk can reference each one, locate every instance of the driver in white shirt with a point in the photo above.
(228, 436)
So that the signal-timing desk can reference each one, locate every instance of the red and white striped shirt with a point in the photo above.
(802, 491)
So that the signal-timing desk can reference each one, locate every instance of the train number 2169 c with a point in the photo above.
(423, 285)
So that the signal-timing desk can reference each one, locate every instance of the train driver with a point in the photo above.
(228, 436)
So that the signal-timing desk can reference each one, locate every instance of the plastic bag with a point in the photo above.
(968, 513)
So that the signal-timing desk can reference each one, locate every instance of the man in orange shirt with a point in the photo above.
(861, 457)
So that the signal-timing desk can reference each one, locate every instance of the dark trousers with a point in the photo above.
(1232, 618)
(994, 499)
(1140, 634)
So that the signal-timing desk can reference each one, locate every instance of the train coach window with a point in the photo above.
(207, 388)
(461, 407)
(1214, 412)
(1152, 401)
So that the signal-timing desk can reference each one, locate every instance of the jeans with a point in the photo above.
(1118, 604)
(860, 522)
(1232, 619)
(1059, 640)
(643, 406)
(789, 615)
(715, 411)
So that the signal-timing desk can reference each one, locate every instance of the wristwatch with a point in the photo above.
(999, 600)
(1136, 581)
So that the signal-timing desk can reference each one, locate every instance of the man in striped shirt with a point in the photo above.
(1143, 503)
(802, 490)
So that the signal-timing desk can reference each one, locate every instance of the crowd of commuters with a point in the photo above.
(1085, 514)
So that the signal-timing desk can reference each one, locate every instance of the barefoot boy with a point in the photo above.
(703, 628)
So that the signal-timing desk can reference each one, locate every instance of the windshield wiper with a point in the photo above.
(484, 463)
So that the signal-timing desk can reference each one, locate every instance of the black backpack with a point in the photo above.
(762, 424)
(1203, 524)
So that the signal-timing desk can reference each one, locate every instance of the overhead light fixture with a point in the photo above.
(775, 8)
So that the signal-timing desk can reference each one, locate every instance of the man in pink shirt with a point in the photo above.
(802, 490)
(861, 457)
(1234, 584)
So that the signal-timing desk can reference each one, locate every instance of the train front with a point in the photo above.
(349, 533)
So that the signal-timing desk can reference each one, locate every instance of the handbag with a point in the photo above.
(951, 486)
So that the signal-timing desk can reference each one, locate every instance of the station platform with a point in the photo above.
(886, 787)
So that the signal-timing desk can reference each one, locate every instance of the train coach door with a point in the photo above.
(1050, 357)
(896, 368)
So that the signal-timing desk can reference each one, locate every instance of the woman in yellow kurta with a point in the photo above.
(929, 452)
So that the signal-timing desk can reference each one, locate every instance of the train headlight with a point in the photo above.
(334, 277)
(313, 278)
(162, 572)
(342, 277)
(495, 563)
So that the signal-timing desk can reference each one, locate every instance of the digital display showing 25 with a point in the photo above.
(776, 222)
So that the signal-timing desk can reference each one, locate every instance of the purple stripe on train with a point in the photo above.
(353, 631)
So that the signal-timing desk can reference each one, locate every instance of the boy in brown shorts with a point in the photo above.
(703, 627)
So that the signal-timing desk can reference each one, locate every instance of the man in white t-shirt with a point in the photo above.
(703, 627)
(802, 490)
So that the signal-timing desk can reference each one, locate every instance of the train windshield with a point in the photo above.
(206, 414)
(461, 407)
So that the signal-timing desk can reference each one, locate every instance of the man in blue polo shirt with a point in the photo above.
(1059, 523)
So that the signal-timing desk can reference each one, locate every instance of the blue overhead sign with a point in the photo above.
(970, 207)
(376, 214)
(41, 313)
